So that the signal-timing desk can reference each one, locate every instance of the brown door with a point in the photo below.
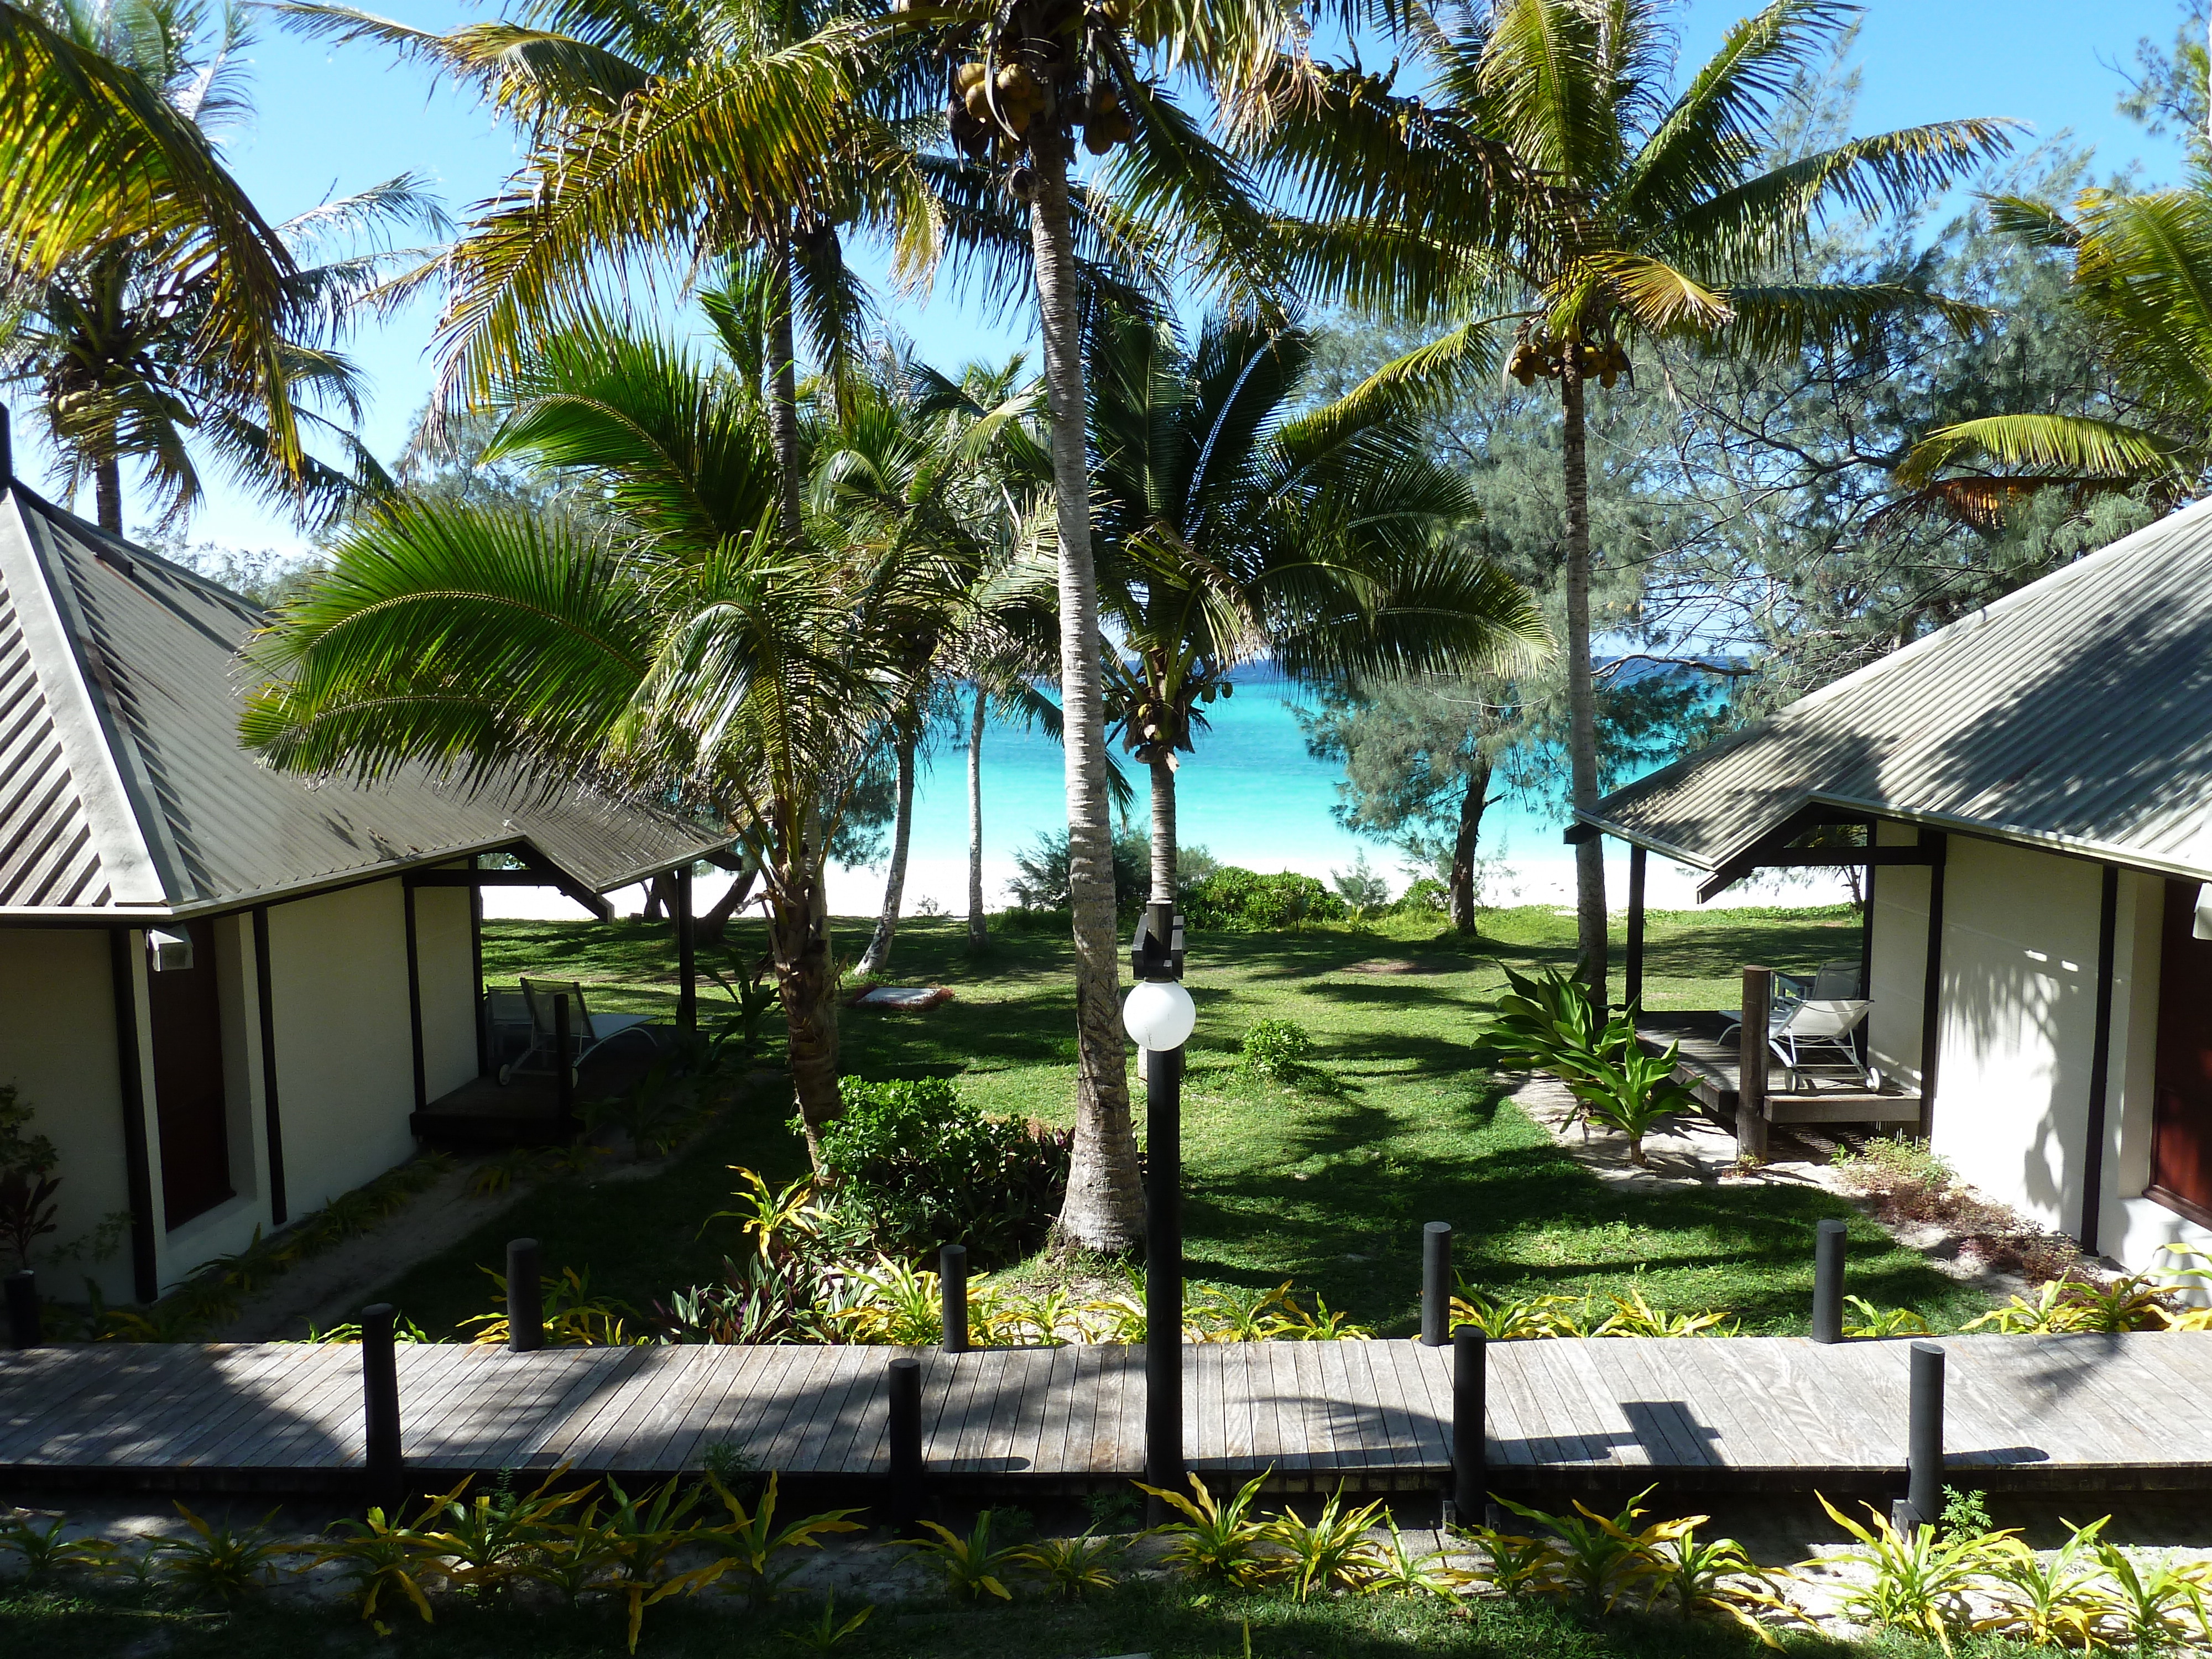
(186, 1016)
(2181, 1127)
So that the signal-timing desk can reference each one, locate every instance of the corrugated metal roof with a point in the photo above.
(124, 783)
(2075, 712)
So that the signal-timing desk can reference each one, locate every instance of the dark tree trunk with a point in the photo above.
(979, 926)
(876, 959)
(712, 926)
(1462, 894)
(659, 898)
(107, 496)
(806, 983)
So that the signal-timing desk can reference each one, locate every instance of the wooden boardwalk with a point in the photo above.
(2054, 1413)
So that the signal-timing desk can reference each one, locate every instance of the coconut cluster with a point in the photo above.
(998, 101)
(1532, 360)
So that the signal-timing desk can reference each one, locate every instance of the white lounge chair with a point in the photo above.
(1820, 1023)
(587, 1030)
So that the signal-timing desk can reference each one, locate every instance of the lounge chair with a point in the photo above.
(587, 1032)
(1820, 1023)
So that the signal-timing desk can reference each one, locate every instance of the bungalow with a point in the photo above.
(226, 991)
(2027, 790)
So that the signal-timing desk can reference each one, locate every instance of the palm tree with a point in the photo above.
(683, 652)
(1236, 528)
(2142, 279)
(1544, 187)
(153, 304)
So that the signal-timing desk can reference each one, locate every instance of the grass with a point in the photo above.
(1326, 1182)
(1167, 1621)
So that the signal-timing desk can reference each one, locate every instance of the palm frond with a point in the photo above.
(2076, 445)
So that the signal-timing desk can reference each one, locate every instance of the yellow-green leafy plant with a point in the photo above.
(1863, 1320)
(1400, 1569)
(1514, 1319)
(1226, 1314)
(896, 1305)
(1714, 1578)
(220, 1562)
(641, 1537)
(1223, 1543)
(1070, 1568)
(374, 1556)
(1632, 1315)
(2057, 1603)
(750, 1539)
(482, 1541)
(1599, 1559)
(46, 1551)
(1629, 1092)
(501, 1172)
(1331, 1549)
(768, 1215)
(2134, 1302)
(573, 1317)
(1323, 1324)
(2155, 1607)
(1046, 1319)
(829, 1631)
(1918, 1580)
(973, 1569)
(1513, 1564)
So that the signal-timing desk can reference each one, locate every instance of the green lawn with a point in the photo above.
(1326, 1184)
(1166, 1621)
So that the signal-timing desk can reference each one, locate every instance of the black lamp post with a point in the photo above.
(1159, 1015)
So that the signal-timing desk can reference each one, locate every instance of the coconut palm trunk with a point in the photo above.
(1461, 889)
(783, 395)
(979, 927)
(876, 959)
(806, 984)
(1163, 831)
(1105, 1210)
(1582, 686)
(107, 494)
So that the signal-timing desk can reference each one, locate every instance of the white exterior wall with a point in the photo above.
(1898, 974)
(2018, 1019)
(345, 1067)
(58, 1048)
(446, 967)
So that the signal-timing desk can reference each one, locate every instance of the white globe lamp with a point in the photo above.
(1159, 1014)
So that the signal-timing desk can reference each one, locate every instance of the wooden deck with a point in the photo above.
(1707, 1065)
(483, 1112)
(2063, 1413)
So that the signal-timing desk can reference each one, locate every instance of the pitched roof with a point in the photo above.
(2075, 712)
(123, 785)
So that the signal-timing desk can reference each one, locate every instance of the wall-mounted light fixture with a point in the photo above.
(168, 953)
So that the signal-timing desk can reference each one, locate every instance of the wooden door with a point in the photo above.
(2181, 1128)
(189, 1103)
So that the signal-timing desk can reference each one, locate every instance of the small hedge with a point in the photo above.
(1244, 901)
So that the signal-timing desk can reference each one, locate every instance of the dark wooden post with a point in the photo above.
(380, 1388)
(1750, 1064)
(1828, 1281)
(272, 1117)
(903, 1392)
(1436, 1283)
(1470, 1465)
(564, 1073)
(526, 1297)
(23, 1325)
(1632, 977)
(1924, 1456)
(687, 959)
(1164, 1273)
(952, 1288)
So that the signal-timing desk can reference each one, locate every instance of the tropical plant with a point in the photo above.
(1232, 528)
(1331, 1549)
(1598, 1558)
(1513, 1319)
(1070, 1567)
(2058, 1602)
(1918, 1582)
(1714, 1578)
(1552, 1021)
(1862, 1319)
(482, 1541)
(1244, 901)
(2155, 1605)
(375, 1555)
(1274, 1049)
(1540, 178)
(573, 1317)
(1632, 1315)
(1513, 1564)
(47, 1550)
(751, 1538)
(1632, 1091)
(973, 1569)
(219, 1561)
(28, 1184)
(1397, 1569)
(1217, 1541)
(828, 1631)
(642, 1536)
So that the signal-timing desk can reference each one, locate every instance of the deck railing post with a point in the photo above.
(564, 1077)
(1923, 1455)
(1470, 1464)
(903, 1392)
(952, 1286)
(1750, 1064)
(526, 1297)
(23, 1329)
(380, 1388)
(1828, 1281)
(1436, 1283)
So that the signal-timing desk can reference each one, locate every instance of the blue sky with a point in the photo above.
(331, 121)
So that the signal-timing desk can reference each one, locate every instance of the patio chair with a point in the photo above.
(1820, 1024)
(587, 1032)
(1789, 990)
(1838, 981)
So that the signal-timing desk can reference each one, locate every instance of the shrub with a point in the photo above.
(1426, 897)
(1244, 901)
(924, 1168)
(1363, 892)
(1276, 1047)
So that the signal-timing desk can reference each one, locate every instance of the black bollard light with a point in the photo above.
(526, 1297)
(1436, 1283)
(1159, 1015)
(1470, 1412)
(1828, 1282)
(380, 1388)
(24, 1328)
(1923, 1487)
(902, 1396)
(952, 1287)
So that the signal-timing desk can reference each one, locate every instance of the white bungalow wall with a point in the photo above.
(1897, 975)
(2132, 1227)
